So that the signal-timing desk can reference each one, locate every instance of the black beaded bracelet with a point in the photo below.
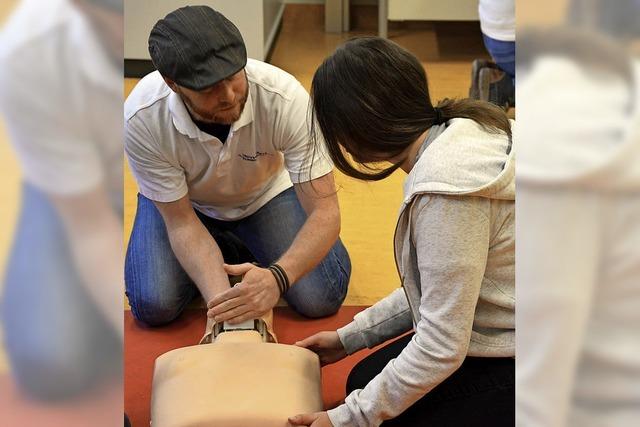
(281, 278)
(284, 274)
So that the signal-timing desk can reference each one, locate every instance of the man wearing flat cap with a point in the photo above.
(228, 182)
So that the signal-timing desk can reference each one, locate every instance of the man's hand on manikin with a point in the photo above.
(253, 297)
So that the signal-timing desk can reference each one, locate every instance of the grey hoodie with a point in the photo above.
(454, 248)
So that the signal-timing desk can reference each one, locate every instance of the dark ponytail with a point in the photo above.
(370, 100)
(491, 117)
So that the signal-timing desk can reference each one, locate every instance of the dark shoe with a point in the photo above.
(476, 66)
(489, 83)
(497, 87)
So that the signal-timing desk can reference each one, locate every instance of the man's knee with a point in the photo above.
(314, 308)
(155, 301)
(321, 292)
(317, 298)
(154, 313)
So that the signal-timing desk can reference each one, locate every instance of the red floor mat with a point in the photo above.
(143, 345)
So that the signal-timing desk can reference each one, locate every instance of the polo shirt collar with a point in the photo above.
(185, 125)
(182, 119)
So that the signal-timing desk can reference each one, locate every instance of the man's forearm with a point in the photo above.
(200, 257)
(311, 245)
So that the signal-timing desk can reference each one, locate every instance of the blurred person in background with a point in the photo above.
(454, 246)
(495, 81)
(61, 97)
(578, 180)
(217, 143)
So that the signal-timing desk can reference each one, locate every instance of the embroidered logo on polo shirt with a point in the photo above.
(253, 158)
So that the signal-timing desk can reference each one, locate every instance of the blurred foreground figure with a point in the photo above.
(61, 99)
(578, 210)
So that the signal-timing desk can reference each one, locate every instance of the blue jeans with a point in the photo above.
(503, 54)
(159, 289)
(58, 344)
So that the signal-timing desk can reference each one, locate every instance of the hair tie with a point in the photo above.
(438, 120)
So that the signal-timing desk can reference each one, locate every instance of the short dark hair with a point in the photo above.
(371, 99)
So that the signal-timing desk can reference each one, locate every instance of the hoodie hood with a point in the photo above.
(461, 158)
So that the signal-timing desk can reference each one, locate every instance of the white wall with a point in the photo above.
(356, 2)
(272, 16)
(256, 20)
(433, 10)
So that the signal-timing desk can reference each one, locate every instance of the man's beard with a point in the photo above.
(205, 117)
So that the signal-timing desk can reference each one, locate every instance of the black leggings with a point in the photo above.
(480, 393)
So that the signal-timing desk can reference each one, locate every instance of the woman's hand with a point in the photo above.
(326, 345)
(319, 419)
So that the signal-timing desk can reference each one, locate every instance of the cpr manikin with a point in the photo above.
(237, 377)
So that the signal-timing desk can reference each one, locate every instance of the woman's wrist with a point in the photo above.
(351, 338)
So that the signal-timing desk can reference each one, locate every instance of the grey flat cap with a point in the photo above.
(197, 47)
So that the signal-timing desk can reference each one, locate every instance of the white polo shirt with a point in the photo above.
(267, 148)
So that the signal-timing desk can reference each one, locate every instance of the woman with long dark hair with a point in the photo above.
(454, 245)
